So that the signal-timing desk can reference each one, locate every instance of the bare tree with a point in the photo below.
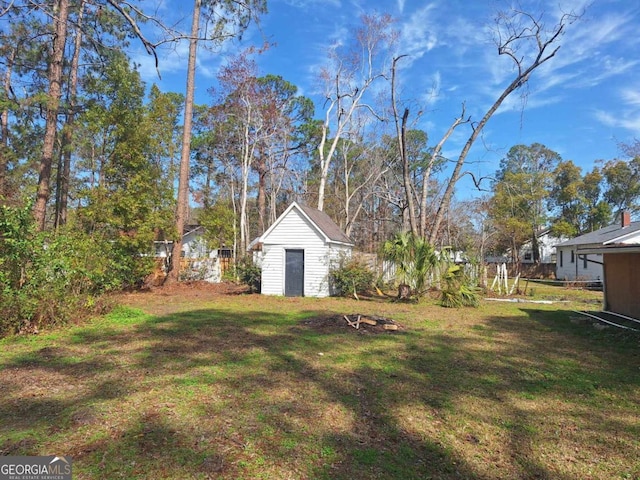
(346, 83)
(411, 190)
(516, 31)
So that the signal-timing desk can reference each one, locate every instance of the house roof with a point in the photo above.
(319, 219)
(604, 236)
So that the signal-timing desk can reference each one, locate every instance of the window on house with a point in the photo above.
(527, 256)
(561, 259)
(584, 262)
(573, 257)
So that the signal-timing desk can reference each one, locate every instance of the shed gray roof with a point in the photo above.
(603, 235)
(325, 225)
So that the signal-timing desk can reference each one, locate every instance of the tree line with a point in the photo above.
(99, 157)
(535, 189)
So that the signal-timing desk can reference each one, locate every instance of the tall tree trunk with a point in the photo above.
(455, 176)
(261, 168)
(247, 156)
(401, 138)
(60, 17)
(182, 206)
(426, 177)
(206, 200)
(64, 165)
(535, 246)
(4, 129)
(406, 173)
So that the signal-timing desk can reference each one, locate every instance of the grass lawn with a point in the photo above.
(195, 382)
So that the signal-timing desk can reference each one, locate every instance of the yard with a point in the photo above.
(205, 381)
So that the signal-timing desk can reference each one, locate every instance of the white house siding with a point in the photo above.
(546, 247)
(194, 245)
(576, 270)
(295, 232)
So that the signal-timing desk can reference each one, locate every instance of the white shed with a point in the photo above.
(298, 251)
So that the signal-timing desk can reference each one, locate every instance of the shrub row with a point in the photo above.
(49, 278)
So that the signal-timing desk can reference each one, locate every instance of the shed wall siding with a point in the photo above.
(295, 232)
(576, 271)
(272, 270)
(622, 291)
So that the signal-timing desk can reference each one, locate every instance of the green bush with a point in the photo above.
(50, 278)
(351, 276)
(249, 273)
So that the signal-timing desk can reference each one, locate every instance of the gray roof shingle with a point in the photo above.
(603, 235)
(326, 225)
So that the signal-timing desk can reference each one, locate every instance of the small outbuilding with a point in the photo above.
(298, 252)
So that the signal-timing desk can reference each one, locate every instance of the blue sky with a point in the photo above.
(582, 103)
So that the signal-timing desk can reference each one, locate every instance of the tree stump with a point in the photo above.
(404, 292)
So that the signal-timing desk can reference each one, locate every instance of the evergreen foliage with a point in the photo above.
(249, 273)
(50, 278)
(351, 276)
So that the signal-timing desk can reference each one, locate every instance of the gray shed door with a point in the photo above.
(294, 273)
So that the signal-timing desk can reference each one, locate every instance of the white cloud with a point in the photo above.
(584, 50)
(624, 114)
(314, 3)
(419, 34)
(631, 96)
(628, 120)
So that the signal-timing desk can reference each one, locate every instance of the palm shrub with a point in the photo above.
(416, 261)
(457, 291)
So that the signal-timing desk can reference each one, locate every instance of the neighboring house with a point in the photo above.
(299, 250)
(621, 259)
(193, 244)
(546, 248)
(581, 258)
(199, 261)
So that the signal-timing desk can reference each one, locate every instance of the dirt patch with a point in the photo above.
(198, 288)
(165, 299)
(354, 323)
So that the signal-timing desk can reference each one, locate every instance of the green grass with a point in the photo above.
(190, 385)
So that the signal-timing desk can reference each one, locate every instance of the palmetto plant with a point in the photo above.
(456, 291)
(416, 260)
